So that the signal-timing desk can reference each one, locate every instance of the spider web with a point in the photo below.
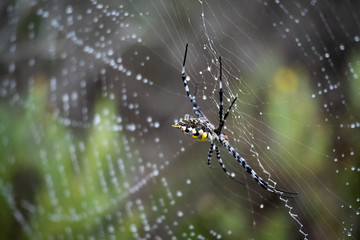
(89, 92)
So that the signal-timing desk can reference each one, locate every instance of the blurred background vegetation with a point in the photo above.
(89, 92)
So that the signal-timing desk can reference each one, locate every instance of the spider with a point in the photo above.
(202, 130)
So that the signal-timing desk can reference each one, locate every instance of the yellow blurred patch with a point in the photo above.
(286, 80)
(203, 137)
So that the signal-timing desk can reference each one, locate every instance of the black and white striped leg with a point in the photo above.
(211, 149)
(253, 174)
(196, 108)
(230, 175)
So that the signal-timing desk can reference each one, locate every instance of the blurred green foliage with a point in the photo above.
(53, 173)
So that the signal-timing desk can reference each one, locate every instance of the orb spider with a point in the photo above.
(202, 130)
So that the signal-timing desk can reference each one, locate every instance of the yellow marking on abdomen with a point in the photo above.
(203, 136)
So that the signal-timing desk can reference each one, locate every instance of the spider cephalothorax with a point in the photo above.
(202, 130)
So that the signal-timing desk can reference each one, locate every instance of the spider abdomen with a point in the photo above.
(195, 128)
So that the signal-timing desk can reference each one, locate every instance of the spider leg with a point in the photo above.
(184, 77)
(228, 110)
(222, 123)
(217, 150)
(221, 103)
(253, 174)
(210, 154)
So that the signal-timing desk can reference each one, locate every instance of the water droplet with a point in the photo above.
(68, 10)
(180, 214)
(131, 127)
